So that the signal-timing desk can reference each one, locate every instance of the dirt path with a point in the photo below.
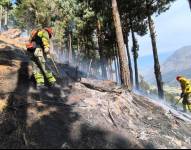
(78, 115)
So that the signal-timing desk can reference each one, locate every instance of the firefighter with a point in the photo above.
(186, 92)
(39, 47)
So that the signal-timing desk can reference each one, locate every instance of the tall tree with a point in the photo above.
(100, 47)
(156, 59)
(129, 58)
(5, 6)
(133, 21)
(135, 49)
(125, 75)
(92, 18)
(1, 16)
(153, 6)
(189, 1)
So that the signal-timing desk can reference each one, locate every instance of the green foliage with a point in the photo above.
(89, 22)
(84, 16)
(5, 3)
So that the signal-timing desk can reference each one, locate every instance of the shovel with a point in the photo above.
(54, 65)
(178, 101)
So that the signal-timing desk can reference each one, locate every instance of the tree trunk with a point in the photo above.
(78, 53)
(110, 71)
(156, 60)
(6, 19)
(135, 56)
(70, 48)
(125, 75)
(118, 65)
(86, 51)
(129, 59)
(116, 71)
(102, 59)
(189, 1)
(113, 67)
(1, 17)
(89, 68)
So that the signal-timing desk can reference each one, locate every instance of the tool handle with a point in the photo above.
(55, 65)
(178, 101)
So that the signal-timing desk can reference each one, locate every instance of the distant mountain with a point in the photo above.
(179, 63)
(146, 63)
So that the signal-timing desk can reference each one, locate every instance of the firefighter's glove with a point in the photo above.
(47, 50)
(48, 56)
(182, 95)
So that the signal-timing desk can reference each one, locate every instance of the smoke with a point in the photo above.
(166, 105)
(89, 68)
(92, 69)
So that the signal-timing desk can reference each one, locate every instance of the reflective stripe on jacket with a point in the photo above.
(43, 34)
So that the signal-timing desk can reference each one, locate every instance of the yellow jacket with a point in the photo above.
(185, 85)
(43, 34)
(41, 37)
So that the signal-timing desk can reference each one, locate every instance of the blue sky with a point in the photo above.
(13, 1)
(173, 30)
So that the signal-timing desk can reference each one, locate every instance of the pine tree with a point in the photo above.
(123, 59)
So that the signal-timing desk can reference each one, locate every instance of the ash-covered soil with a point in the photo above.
(85, 114)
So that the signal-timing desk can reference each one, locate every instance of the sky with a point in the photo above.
(13, 1)
(173, 30)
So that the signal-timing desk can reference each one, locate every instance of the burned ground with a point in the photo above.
(86, 114)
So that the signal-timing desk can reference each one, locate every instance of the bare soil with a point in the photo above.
(87, 114)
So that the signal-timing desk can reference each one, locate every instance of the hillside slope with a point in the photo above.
(177, 64)
(86, 114)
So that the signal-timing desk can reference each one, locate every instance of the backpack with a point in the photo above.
(31, 45)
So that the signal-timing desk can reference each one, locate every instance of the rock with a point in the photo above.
(102, 86)
(178, 142)
(65, 146)
(149, 118)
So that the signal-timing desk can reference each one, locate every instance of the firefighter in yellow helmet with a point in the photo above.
(39, 47)
(186, 92)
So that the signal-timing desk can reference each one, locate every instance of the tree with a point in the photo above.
(133, 20)
(189, 1)
(153, 6)
(156, 59)
(1, 16)
(135, 49)
(129, 58)
(5, 6)
(92, 37)
(144, 85)
(125, 76)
